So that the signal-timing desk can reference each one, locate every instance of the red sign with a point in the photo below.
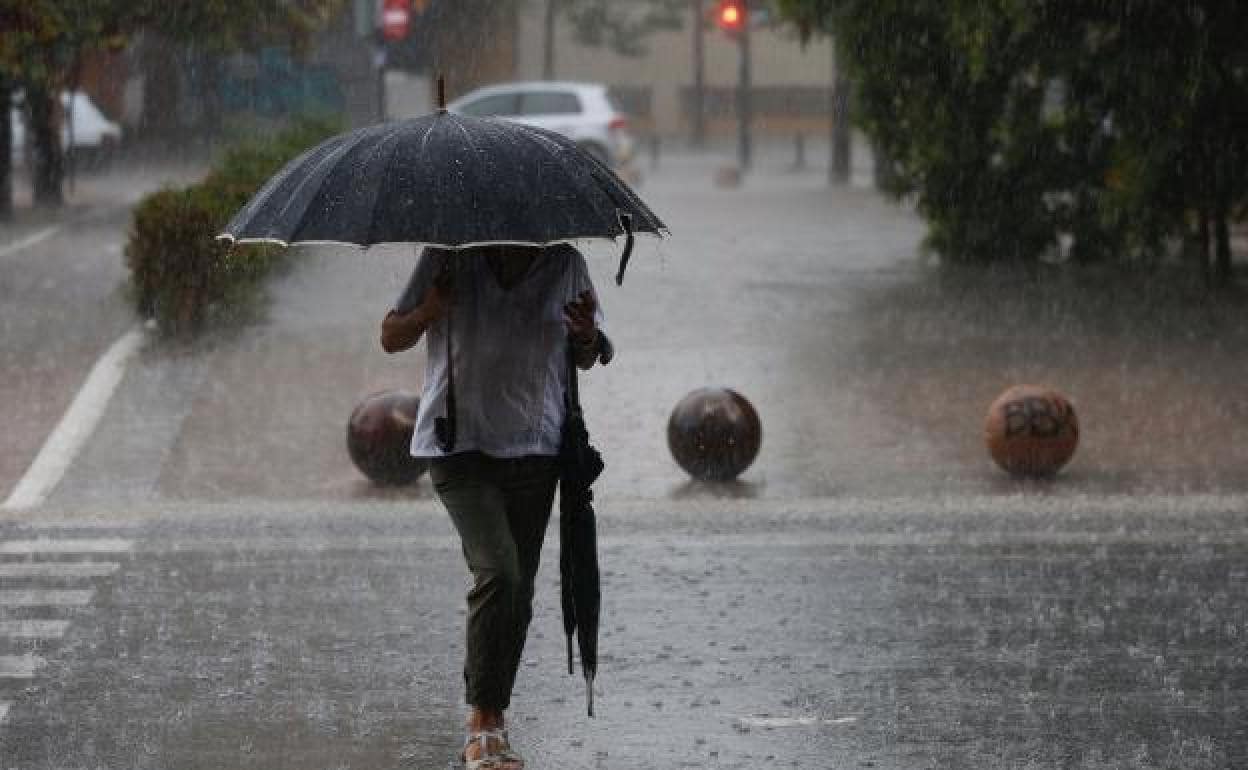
(396, 18)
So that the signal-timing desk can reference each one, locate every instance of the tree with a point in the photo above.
(1016, 126)
(41, 49)
(42, 43)
(622, 27)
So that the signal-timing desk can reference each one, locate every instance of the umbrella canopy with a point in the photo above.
(447, 180)
(579, 583)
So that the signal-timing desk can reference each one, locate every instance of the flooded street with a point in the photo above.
(974, 633)
(213, 584)
(872, 371)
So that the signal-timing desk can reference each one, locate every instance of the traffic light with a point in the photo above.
(731, 16)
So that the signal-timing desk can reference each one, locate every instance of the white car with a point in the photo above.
(93, 135)
(583, 112)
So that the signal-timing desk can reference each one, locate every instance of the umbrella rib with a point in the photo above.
(539, 138)
(389, 134)
(335, 155)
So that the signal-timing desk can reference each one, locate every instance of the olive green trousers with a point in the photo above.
(500, 507)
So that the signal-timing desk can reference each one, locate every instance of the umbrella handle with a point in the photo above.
(626, 221)
(589, 694)
(571, 670)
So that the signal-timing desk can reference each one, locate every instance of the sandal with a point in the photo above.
(496, 752)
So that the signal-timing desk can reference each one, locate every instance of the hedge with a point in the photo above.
(183, 277)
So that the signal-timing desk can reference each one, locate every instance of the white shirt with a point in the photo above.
(510, 348)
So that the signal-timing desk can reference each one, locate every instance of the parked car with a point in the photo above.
(583, 112)
(93, 136)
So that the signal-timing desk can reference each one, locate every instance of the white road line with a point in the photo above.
(85, 545)
(76, 425)
(33, 629)
(20, 666)
(45, 597)
(58, 569)
(28, 241)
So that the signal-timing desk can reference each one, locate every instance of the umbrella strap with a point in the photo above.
(572, 396)
(444, 427)
(626, 221)
(450, 385)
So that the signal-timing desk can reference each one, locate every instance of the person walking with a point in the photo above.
(512, 311)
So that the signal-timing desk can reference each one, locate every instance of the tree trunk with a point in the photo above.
(1222, 256)
(6, 152)
(158, 121)
(45, 134)
(1202, 247)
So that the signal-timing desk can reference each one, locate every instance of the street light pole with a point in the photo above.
(698, 107)
(839, 167)
(744, 107)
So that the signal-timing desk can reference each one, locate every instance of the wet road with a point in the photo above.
(872, 593)
(984, 633)
(871, 372)
(62, 303)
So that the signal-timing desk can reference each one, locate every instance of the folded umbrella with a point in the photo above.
(579, 584)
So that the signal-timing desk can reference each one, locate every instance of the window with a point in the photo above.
(551, 103)
(495, 104)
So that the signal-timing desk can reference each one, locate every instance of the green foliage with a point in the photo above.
(181, 275)
(1013, 124)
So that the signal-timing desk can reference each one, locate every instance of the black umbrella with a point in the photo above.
(444, 180)
(579, 588)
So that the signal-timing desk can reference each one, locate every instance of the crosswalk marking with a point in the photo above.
(33, 629)
(58, 569)
(41, 563)
(45, 597)
(20, 666)
(46, 545)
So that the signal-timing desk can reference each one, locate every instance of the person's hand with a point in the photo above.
(579, 318)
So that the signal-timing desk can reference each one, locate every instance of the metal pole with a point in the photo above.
(548, 56)
(744, 108)
(379, 58)
(698, 107)
(839, 166)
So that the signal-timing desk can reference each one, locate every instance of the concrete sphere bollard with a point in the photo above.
(1031, 430)
(714, 434)
(379, 437)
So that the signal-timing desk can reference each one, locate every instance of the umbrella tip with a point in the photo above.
(442, 93)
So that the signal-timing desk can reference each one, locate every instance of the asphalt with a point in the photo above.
(987, 632)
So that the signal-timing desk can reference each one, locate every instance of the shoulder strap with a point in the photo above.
(572, 396)
(444, 427)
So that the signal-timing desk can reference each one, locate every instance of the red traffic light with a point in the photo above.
(731, 15)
